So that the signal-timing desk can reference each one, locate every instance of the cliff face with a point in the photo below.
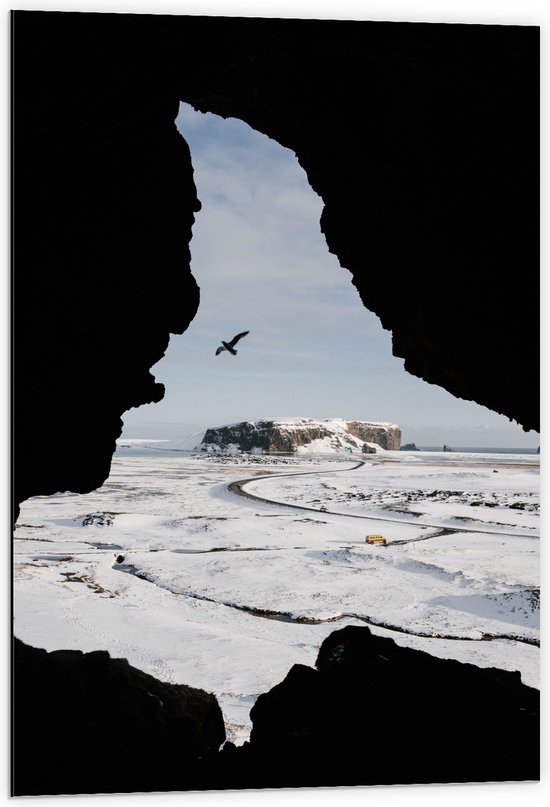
(386, 435)
(290, 435)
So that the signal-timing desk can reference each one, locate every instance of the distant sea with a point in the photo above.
(478, 450)
(137, 448)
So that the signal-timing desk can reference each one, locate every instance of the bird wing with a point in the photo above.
(219, 350)
(236, 338)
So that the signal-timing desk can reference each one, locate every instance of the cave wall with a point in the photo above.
(423, 142)
(421, 139)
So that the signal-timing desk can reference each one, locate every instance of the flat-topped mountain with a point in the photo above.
(303, 435)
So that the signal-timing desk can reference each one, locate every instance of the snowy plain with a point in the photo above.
(223, 591)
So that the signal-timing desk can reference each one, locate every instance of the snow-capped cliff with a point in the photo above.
(303, 435)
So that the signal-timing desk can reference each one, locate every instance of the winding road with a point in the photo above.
(238, 486)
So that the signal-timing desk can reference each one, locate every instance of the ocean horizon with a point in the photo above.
(481, 450)
(144, 447)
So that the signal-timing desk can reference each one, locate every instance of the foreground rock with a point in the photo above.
(291, 435)
(371, 713)
(87, 723)
(377, 713)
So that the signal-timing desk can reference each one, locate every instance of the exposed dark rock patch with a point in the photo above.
(98, 519)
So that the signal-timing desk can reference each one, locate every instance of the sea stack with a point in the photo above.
(303, 435)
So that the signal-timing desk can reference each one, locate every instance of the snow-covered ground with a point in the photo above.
(224, 592)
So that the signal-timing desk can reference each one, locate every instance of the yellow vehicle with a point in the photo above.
(376, 539)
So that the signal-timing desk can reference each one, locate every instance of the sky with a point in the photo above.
(263, 265)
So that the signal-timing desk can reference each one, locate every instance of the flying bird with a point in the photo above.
(230, 346)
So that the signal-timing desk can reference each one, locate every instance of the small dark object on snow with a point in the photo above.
(119, 558)
(230, 345)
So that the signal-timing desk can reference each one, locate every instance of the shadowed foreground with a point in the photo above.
(371, 713)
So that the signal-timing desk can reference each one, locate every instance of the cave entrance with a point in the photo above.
(262, 265)
(314, 350)
(166, 567)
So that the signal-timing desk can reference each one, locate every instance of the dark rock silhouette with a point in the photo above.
(399, 716)
(409, 447)
(371, 713)
(434, 157)
(230, 346)
(87, 723)
(423, 142)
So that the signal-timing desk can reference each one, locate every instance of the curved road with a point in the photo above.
(237, 487)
